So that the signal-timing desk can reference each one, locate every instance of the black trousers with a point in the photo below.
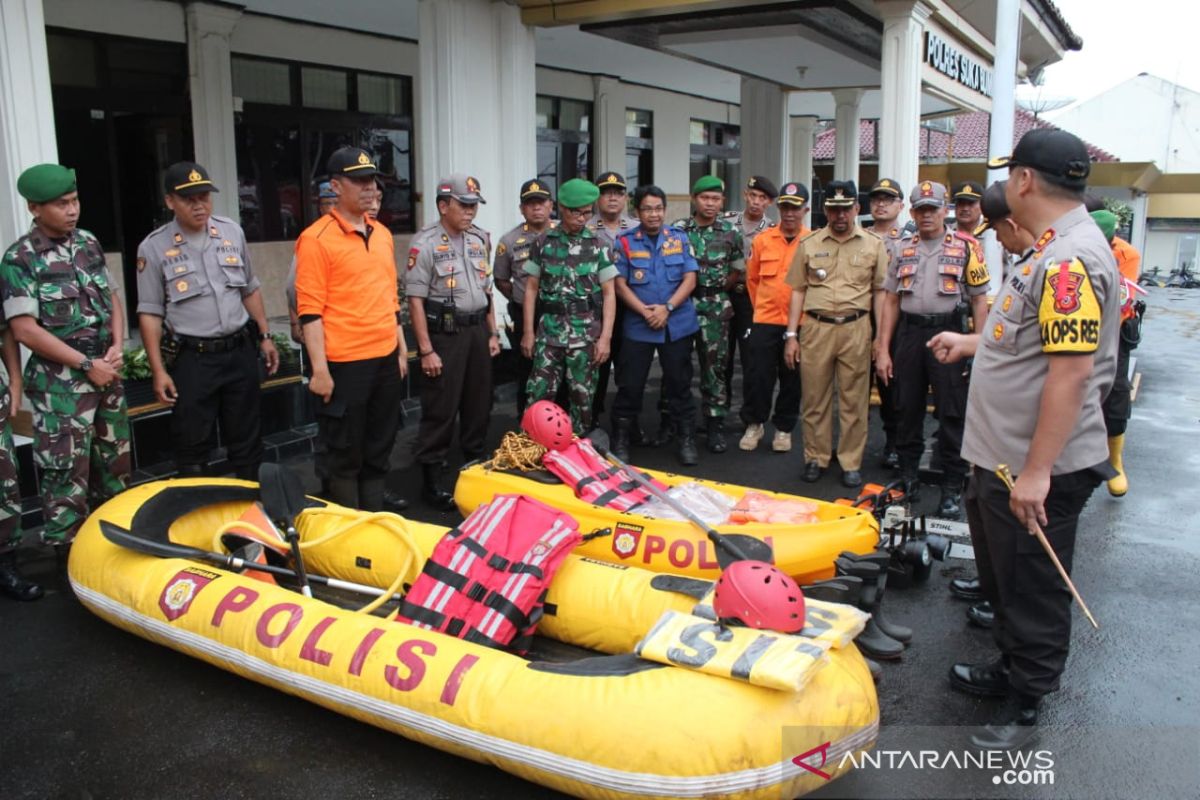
(888, 414)
(739, 332)
(764, 351)
(1118, 405)
(915, 370)
(217, 385)
(358, 425)
(524, 365)
(1031, 602)
(613, 363)
(462, 393)
(675, 358)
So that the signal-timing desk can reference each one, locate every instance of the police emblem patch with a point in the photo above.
(639, 274)
(141, 264)
(625, 539)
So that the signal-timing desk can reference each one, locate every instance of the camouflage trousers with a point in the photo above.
(10, 489)
(551, 365)
(81, 446)
(712, 347)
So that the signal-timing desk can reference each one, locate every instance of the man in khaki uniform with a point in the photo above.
(834, 276)
(936, 283)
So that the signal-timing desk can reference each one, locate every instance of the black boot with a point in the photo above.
(950, 504)
(12, 583)
(622, 431)
(986, 680)
(981, 614)
(370, 494)
(1014, 726)
(900, 633)
(716, 435)
(688, 455)
(393, 502)
(872, 641)
(891, 458)
(912, 483)
(432, 491)
(966, 589)
(666, 430)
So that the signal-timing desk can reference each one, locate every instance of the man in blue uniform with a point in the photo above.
(656, 276)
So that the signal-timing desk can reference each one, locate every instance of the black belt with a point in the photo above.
(434, 312)
(839, 319)
(569, 307)
(90, 346)
(928, 320)
(214, 344)
(709, 291)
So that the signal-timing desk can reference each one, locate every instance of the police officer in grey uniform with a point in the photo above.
(610, 221)
(198, 294)
(512, 251)
(887, 201)
(449, 287)
(936, 283)
(1044, 360)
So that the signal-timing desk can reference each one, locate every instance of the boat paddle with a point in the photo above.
(730, 547)
(282, 499)
(125, 538)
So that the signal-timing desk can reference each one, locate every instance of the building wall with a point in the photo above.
(1161, 248)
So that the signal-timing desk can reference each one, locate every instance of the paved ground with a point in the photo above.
(92, 712)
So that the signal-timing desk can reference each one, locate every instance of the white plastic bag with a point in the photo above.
(710, 505)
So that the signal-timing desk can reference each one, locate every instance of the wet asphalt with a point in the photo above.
(92, 712)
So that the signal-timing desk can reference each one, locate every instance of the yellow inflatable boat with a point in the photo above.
(805, 551)
(602, 723)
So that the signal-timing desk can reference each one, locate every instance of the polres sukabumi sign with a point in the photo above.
(957, 65)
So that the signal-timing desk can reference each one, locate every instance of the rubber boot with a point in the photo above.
(370, 494)
(716, 435)
(622, 430)
(666, 430)
(901, 633)
(845, 590)
(687, 453)
(344, 491)
(872, 641)
(1119, 485)
(432, 491)
(12, 583)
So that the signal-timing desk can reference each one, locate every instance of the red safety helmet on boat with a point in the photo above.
(759, 595)
(548, 425)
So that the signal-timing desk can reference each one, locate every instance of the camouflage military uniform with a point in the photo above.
(719, 249)
(10, 489)
(570, 270)
(81, 439)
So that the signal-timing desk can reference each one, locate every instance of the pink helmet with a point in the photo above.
(548, 425)
(760, 596)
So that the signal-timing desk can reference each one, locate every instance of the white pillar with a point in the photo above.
(210, 77)
(1004, 109)
(27, 134)
(765, 130)
(846, 152)
(801, 166)
(900, 70)
(477, 97)
(608, 126)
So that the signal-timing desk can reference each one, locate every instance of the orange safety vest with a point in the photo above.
(766, 275)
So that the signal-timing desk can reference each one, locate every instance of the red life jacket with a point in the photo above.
(486, 580)
(594, 479)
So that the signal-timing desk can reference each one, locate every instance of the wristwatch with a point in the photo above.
(262, 337)
(85, 365)
(670, 306)
(789, 334)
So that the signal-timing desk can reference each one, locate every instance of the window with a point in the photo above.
(716, 149)
(564, 139)
(294, 116)
(639, 147)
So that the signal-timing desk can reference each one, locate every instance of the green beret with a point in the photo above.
(1107, 222)
(708, 183)
(577, 193)
(46, 182)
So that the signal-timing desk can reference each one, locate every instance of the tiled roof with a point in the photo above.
(969, 142)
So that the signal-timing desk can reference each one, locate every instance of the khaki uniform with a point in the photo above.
(454, 276)
(838, 279)
(1062, 297)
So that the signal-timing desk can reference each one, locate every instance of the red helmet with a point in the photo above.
(759, 595)
(548, 425)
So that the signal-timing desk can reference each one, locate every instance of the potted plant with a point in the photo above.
(136, 375)
(289, 356)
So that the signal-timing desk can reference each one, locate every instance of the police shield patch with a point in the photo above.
(1069, 314)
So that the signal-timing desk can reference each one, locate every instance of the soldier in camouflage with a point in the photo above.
(720, 255)
(570, 275)
(57, 298)
(12, 583)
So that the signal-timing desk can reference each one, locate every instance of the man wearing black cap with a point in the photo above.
(887, 201)
(449, 288)
(347, 300)
(195, 281)
(610, 221)
(512, 251)
(1044, 361)
(968, 217)
(836, 278)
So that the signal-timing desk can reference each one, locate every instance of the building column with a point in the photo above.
(801, 167)
(476, 98)
(846, 120)
(608, 126)
(765, 130)
(210, 77)
(27, 135)
(900, 68)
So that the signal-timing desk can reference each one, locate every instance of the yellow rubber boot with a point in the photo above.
(1119, 485)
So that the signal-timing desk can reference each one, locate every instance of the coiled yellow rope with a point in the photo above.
(518, 451)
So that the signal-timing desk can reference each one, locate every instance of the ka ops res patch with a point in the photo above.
(1069, 314)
